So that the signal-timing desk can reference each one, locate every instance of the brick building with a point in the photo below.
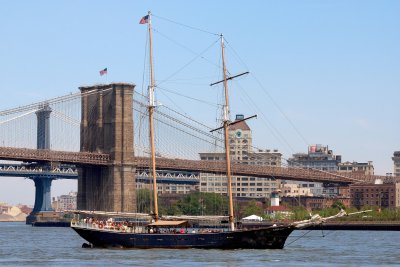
(314, 202)
(379, 195)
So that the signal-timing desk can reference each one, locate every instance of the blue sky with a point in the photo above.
(331, 67)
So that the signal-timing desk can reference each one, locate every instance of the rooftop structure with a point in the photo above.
(319, 157)
(396, 163)
(364, 168)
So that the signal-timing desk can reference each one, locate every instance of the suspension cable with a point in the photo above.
(188, 63)
(271, 98)
(184, 25)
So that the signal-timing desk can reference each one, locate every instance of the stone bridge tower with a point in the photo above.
(107, 127)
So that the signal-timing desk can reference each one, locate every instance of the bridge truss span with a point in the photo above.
(296, 174)
(37, 155)
(100, 159)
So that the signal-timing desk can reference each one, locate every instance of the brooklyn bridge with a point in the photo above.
(99, 136)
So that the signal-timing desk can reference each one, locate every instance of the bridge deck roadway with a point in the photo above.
(87, 158)
(79, 158)
(247, 170)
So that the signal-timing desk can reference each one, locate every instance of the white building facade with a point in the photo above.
(65, 202)
(241, 151)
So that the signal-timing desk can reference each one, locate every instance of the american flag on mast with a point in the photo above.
(103, 72)
(144, 20)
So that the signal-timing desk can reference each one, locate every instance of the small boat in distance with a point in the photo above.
(155, 231)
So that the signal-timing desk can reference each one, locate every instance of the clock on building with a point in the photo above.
(238, 133)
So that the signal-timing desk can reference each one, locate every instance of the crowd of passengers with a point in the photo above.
(127, 226)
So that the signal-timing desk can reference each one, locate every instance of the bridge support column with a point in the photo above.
(43, 194)
(42, 209)
(42, 184)
(43, 127)
(107, 126)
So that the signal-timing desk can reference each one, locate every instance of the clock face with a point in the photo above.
(238, 134)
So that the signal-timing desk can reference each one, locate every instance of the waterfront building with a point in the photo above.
(319, 157)
(294, 190)
(11, 213)
(344, 191)
(3, 207)
(65, 202)
(382, 195)
(396, 163)
(362, 168)
(314, 202)
(241, 151)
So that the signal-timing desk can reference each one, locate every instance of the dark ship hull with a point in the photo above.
(273, 237)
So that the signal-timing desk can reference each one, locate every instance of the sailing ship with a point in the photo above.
(155, 231)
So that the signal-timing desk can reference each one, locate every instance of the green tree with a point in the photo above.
(251, 208)
(198, 203)
(338, 205)
(300, 213)
(144, 199)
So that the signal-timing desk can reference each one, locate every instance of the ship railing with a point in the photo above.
(108, 226)
(120, 228)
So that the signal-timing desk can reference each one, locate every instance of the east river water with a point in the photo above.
(22, 244)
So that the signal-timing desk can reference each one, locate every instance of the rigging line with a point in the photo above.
(173, 102)
(184, 83)
(172, 110)
(188, 63)
(236, 54)
(192, 98)
(281, 111)
(144, 62)
(184, 25)
(275, 131)
(176, 128)
(191, 79)
(188, 126)
(183, 46)
(188, 117)
(269, 96)
(306, 233)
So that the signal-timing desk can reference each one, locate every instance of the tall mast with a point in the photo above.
(226, 137)
(151, 121)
